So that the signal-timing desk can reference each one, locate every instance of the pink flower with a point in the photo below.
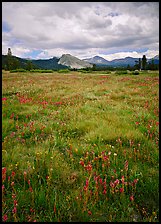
(13, 196)
(116, 182)
(14, 210)
(87, 182)
(135, 181)
(12, 184)
(28, 182)
(104, 191)
(131, 198)
(5, 218)
(121, 190)
(4, 99)
(100, 180)
(4, 169)
(3, 187)
(25, 173)
(112, 184)
(15, 203)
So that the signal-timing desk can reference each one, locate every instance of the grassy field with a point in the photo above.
(80, 147)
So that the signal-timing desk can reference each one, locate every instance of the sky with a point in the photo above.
(42, 30)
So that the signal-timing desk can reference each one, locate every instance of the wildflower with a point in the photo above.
(25, 173)
(85, 188)
(104, 191)
(126, 165)
(116, 182)
(13, 196)
(54, 208)
(12, 184)
(28, 182)
(81, 163)
(13, 174)
(115, 154)
(87, 182)
(109, 153)
(30, 189)
(89, 213)
(14, 210)
(15, 203)
(100, 180)
(112, 184)
(121, 190)
(5, 216)
(3, 187)
(135, 181)
(122, 179)
(4, 99)
(131, 198)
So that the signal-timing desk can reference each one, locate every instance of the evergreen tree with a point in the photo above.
(144, 62)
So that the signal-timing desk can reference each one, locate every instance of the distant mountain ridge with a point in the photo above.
(69, 61)
(118, 62)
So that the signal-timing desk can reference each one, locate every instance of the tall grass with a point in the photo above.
(78, 147)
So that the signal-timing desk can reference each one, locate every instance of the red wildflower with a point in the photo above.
(5, 218)
(100, 180)
(15, 203)
(112, 184)
(13, 174)
(4, 99)
(116, 182)
(14, 210)
(87, 182)
(30, 189)
(54, 208)
(135, 181)
(131, 198)
(85, 188)
(104, 192)
(81, 163)
(121, 190)
(89, 213)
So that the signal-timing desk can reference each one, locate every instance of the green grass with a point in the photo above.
(69, 140)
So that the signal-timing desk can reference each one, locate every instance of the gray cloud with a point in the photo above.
(81, 26)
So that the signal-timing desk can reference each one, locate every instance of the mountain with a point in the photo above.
(122, 62)
(73, 62)
(69, 61)
(97, 60)
(51, 63)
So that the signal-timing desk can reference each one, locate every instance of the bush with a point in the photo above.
(121, 72)
(18, 70)
(41, 70)
(63, 70)
(136, 72)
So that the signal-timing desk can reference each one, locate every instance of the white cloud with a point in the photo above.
(80, 28)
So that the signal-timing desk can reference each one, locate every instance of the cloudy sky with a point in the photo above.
(83, 29)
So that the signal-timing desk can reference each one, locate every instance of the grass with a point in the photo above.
(80, 147)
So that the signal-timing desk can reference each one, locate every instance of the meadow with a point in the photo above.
(80, 147)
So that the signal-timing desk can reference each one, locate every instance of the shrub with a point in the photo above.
(63, 70)
(136, 72)
(121, 72)
(18, 70)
